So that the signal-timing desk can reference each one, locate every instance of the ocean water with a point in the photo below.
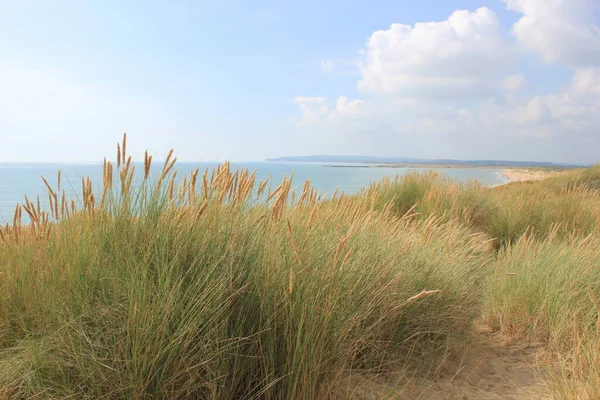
(18, 180)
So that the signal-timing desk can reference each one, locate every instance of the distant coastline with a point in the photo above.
(398, 162)
(445, 166)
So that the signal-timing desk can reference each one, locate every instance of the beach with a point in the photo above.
(522, 175)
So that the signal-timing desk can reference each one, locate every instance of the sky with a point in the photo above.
(249, 80)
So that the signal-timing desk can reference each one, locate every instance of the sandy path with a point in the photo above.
(489, 370)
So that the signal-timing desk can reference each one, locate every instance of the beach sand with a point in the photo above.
(521, 175)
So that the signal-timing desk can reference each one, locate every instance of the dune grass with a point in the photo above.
(216, 286)
(564, 205)
(547, 292)
(161, 291)
(544, 283)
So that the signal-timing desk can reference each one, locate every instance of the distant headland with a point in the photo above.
(408, 162)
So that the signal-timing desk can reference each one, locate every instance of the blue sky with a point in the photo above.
(248, 80)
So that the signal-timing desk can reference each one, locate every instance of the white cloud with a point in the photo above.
(559, 30)
(461, 56)
(586, 82)
(537, 110)
(513, 83)
(314, 109)
(318, 109)
(573, 111)
(346, 106)
(452, 89)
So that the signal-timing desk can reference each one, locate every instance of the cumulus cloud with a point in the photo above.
(572, 111)
(586, 82)
(537, 110)
(513, 83)
(559, 30)
(461, 56)
(314, 109)
(318, 109)
(453, 88)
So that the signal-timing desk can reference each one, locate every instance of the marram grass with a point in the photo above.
(160, 289)
(218, 286)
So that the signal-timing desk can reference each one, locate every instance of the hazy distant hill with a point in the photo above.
(403, 160)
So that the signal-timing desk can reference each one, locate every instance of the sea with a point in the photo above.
(18, 180)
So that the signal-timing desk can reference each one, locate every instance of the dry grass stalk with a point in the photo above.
(576, 347)
(597, 307)
(328, 216)
(205, 191)
(201, 210)
(168, 165)
(305, 192)
(277, 190)
(32, 216)
(50, 201)
(17, 223)
(172, 185)
(183, 190)
(222, 175)
(342, 245)
(296, 250)
(334, 194)
(123, 157)
(262, 186)
(118, 156)
(359, 209)
(346, 258)
(64, 207)
(314, 199)
(147, 165)
(340, 198)
(107, 181)
(241, 178)
(192, 187)
(419, 296)
(130, 178)
(247, 189)
(280, 201)
(49, 187)
(313, 213)
(225, 185)
(230, 188)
